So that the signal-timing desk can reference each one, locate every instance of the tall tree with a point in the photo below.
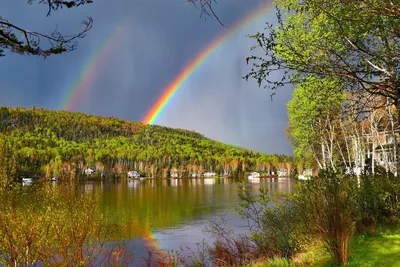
(357, 42)
(313, 111)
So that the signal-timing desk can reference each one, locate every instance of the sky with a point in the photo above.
(159, 38)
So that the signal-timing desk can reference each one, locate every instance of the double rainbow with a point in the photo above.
(155, 111)
(98, 59)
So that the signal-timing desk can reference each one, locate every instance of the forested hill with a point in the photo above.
(47, 143)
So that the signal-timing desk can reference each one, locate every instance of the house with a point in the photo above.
(89, 171)
(374, 150)
(307, 173)
(133, 174)
(209, 174)
(173, 173)
(282, 173)
(27, 180)
(254, 175)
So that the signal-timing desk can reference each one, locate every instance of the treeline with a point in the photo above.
(64, 144)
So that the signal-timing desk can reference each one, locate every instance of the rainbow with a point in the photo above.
(93, 65)
(166, 96)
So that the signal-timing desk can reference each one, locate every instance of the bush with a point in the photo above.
(42, 225)
(379, 201)
(329, 203)
(275, 229)
(329, 207)
(275, 221)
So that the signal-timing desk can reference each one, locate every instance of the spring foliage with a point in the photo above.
(64, 144)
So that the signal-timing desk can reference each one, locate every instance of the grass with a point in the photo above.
(382, 249)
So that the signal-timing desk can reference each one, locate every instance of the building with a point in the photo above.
(133, 174)
(89, 171)
(173, 173)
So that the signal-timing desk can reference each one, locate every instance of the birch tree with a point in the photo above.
(312, 112)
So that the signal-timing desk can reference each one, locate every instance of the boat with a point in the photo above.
(254, 175)
(133, 174)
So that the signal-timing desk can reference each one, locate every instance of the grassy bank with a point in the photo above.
(381, 249)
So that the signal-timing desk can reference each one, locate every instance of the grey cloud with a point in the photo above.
(159, 40)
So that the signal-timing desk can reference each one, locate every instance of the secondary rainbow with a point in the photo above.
(166, 96)
(93, 65)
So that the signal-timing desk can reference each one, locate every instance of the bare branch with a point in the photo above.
(19, 40)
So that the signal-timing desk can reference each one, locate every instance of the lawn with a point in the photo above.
(382, 249)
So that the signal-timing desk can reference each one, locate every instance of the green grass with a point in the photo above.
(382, 249)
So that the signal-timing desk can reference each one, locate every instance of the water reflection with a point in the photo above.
(173, 210)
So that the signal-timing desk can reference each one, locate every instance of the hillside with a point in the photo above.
(62, 143)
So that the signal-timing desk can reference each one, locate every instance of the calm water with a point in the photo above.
(172, 213)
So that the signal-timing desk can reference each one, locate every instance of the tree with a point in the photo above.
(357, 42)
(16, 39)
(7, 162)
(22, 41)
(313, 110)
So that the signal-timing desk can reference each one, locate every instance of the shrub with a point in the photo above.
(329, 203)
(41, 225)
(275, 229)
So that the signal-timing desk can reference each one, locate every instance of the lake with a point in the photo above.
(167, 214)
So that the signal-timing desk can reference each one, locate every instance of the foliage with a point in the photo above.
(330, 202)
(378, 201)
(230, 248)
(19, 40)
(16, 39)
(66, 143)
(7, 163)
(182, 257)
(356, 42)
(315, 105)
(275, 222)
(275, 230)
(53, 226)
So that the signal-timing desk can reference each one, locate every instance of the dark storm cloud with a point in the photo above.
(160, 38)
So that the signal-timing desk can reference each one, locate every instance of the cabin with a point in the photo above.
(173, 173)
(209, 174)
(133, 174)
(254, 175)
(89, 171)
(27, 180)
(307, 173)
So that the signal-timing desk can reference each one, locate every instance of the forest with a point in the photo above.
(46, 143)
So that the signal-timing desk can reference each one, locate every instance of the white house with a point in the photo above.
(133, 174)
(89, 171)
(254, 175)
(307, 173)
(282, 173)
(209, 174)
(173, 173)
